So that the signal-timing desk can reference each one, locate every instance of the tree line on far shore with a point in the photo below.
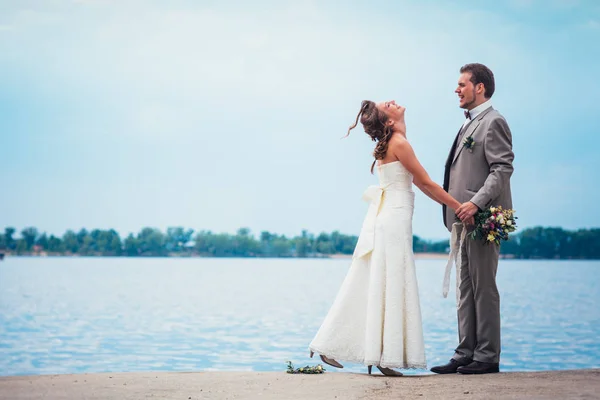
(538, 242)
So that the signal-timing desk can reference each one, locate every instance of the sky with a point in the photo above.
(216, 115)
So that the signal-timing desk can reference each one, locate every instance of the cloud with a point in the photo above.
(565, 3)
(177, 94)
(593, 25)
(544, 3)
(522, 3)
(297, 48)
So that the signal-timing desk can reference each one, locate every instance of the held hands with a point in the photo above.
(466, 212)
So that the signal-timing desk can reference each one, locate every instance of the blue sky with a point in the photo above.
(217, 115)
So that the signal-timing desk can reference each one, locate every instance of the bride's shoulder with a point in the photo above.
(399, 141)
(401, 148)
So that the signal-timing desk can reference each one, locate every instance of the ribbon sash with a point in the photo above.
(373, 195)
(456, 244)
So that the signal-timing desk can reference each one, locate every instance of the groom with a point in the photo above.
(478, 172)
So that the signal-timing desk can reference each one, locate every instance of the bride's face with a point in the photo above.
(392, 110)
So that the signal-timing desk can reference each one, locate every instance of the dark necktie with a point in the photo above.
(467, 114)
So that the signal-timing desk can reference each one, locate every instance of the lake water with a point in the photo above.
(74, 315)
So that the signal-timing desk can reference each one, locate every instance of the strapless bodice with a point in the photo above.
(393, 196)
(394, 176)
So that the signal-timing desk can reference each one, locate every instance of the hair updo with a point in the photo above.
(374, 123)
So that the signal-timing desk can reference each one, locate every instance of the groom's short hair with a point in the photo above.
(481, 74)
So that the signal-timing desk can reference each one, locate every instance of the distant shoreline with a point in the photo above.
(538, 243)
(418, 256)
(317, 257)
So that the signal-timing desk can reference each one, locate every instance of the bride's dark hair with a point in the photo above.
(374, 123)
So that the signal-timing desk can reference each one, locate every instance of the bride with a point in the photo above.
(376, 317)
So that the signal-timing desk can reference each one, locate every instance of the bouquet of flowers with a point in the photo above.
(317, 369)
(494, 224)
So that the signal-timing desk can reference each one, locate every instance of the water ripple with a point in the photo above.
(74, 315)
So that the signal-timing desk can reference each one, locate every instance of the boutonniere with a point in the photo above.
(469, 143)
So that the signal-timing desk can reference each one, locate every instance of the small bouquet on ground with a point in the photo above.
(317, 369)
(494, 224)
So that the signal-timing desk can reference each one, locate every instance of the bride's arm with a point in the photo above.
(405, 154)
(428, 193)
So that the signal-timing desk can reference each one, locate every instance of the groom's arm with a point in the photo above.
(498, 152)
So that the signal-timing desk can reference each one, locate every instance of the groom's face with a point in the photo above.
(465, 91)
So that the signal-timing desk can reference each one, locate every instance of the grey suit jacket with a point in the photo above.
(481, 175)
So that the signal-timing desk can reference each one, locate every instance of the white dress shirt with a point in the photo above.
(477, 110)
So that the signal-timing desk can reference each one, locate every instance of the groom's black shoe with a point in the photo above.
(451, 367)
(478, 367)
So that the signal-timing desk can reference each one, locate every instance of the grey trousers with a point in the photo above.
(479, 306)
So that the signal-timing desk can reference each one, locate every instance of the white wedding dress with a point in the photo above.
(376, 316)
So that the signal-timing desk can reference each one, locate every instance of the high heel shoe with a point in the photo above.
(385, 371)
(328, 361)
